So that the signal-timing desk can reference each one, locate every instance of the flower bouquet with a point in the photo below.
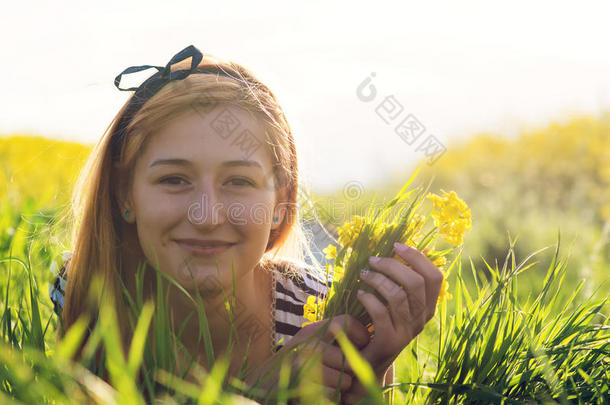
(374, 234)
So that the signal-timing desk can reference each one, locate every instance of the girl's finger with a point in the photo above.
(355, 331)
(410, 280)
(326, 329)
(326, 376)
(393, 294)
(376, 309)
(334, 378)
(432, 275)
(332, 395)
(382, 323)
(330, 356)
(333, 357)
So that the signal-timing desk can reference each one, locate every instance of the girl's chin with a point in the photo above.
(203, 277)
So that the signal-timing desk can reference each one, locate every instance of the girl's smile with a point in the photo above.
(204, 248)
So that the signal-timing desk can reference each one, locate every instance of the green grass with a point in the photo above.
(486, 345)
(497, 349)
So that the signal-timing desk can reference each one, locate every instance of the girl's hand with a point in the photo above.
(335, 369)
(411, 292)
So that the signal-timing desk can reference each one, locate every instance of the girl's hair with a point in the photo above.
(97, 225)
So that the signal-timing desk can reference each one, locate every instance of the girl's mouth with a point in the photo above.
(204, 251)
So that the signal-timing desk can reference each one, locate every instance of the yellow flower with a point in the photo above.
(310, 310)
(338, 274)
(452, 216)
(313, 309)
(310, 306)
(349, 231)
(440, 261)
(330, 251)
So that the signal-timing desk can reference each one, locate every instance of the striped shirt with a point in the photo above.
(291, 292)
(294, 283)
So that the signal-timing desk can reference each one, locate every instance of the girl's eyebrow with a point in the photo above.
(184, 162)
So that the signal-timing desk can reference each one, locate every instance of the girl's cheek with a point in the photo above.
(237, 211)
(233, 209)
(164, 209)
(248, 221)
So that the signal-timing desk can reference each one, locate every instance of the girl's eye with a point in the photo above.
(242, 181)
(176, 181)
(172, 180)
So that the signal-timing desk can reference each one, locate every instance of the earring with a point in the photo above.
(126, 213)
(275, 219)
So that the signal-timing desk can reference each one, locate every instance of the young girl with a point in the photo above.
(197, 176)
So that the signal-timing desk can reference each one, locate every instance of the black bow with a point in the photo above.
(164, 74)
(152, 85)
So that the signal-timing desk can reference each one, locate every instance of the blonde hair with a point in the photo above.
(98, 225)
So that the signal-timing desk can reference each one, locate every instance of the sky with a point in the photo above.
(457, 68)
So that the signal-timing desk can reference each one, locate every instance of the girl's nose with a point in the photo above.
(208, 208)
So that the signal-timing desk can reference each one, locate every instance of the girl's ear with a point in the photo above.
(127, 210)
(128, 214)
(123, 193)
(278, 217)
(279, 211)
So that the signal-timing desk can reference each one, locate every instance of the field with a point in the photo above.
(528, 321)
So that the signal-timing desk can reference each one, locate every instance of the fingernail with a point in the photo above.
(360, 292)
(403, 248)
(374, 259)
(364, 272)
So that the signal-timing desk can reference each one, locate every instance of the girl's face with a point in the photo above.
(204, 180)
